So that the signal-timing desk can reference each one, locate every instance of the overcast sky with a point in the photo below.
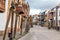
(37, 6)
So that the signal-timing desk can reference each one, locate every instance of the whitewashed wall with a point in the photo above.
(3, 17)
(57, 16)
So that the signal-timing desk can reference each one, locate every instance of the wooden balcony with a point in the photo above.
(51, 15)
(2, 6)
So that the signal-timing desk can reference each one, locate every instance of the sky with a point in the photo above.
(37, 6)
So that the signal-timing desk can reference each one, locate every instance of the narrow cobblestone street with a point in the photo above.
(41, 33)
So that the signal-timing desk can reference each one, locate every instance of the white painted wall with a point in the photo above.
(58, 16)
(3, 17)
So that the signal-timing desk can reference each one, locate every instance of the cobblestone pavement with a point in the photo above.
(41, 33)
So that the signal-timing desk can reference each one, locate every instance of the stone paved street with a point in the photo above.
(41, 33)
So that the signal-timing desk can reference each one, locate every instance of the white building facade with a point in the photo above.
(58, 16)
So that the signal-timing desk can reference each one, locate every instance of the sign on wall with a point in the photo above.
(2, 5)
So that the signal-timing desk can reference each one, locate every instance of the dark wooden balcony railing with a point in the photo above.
(2, 6)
